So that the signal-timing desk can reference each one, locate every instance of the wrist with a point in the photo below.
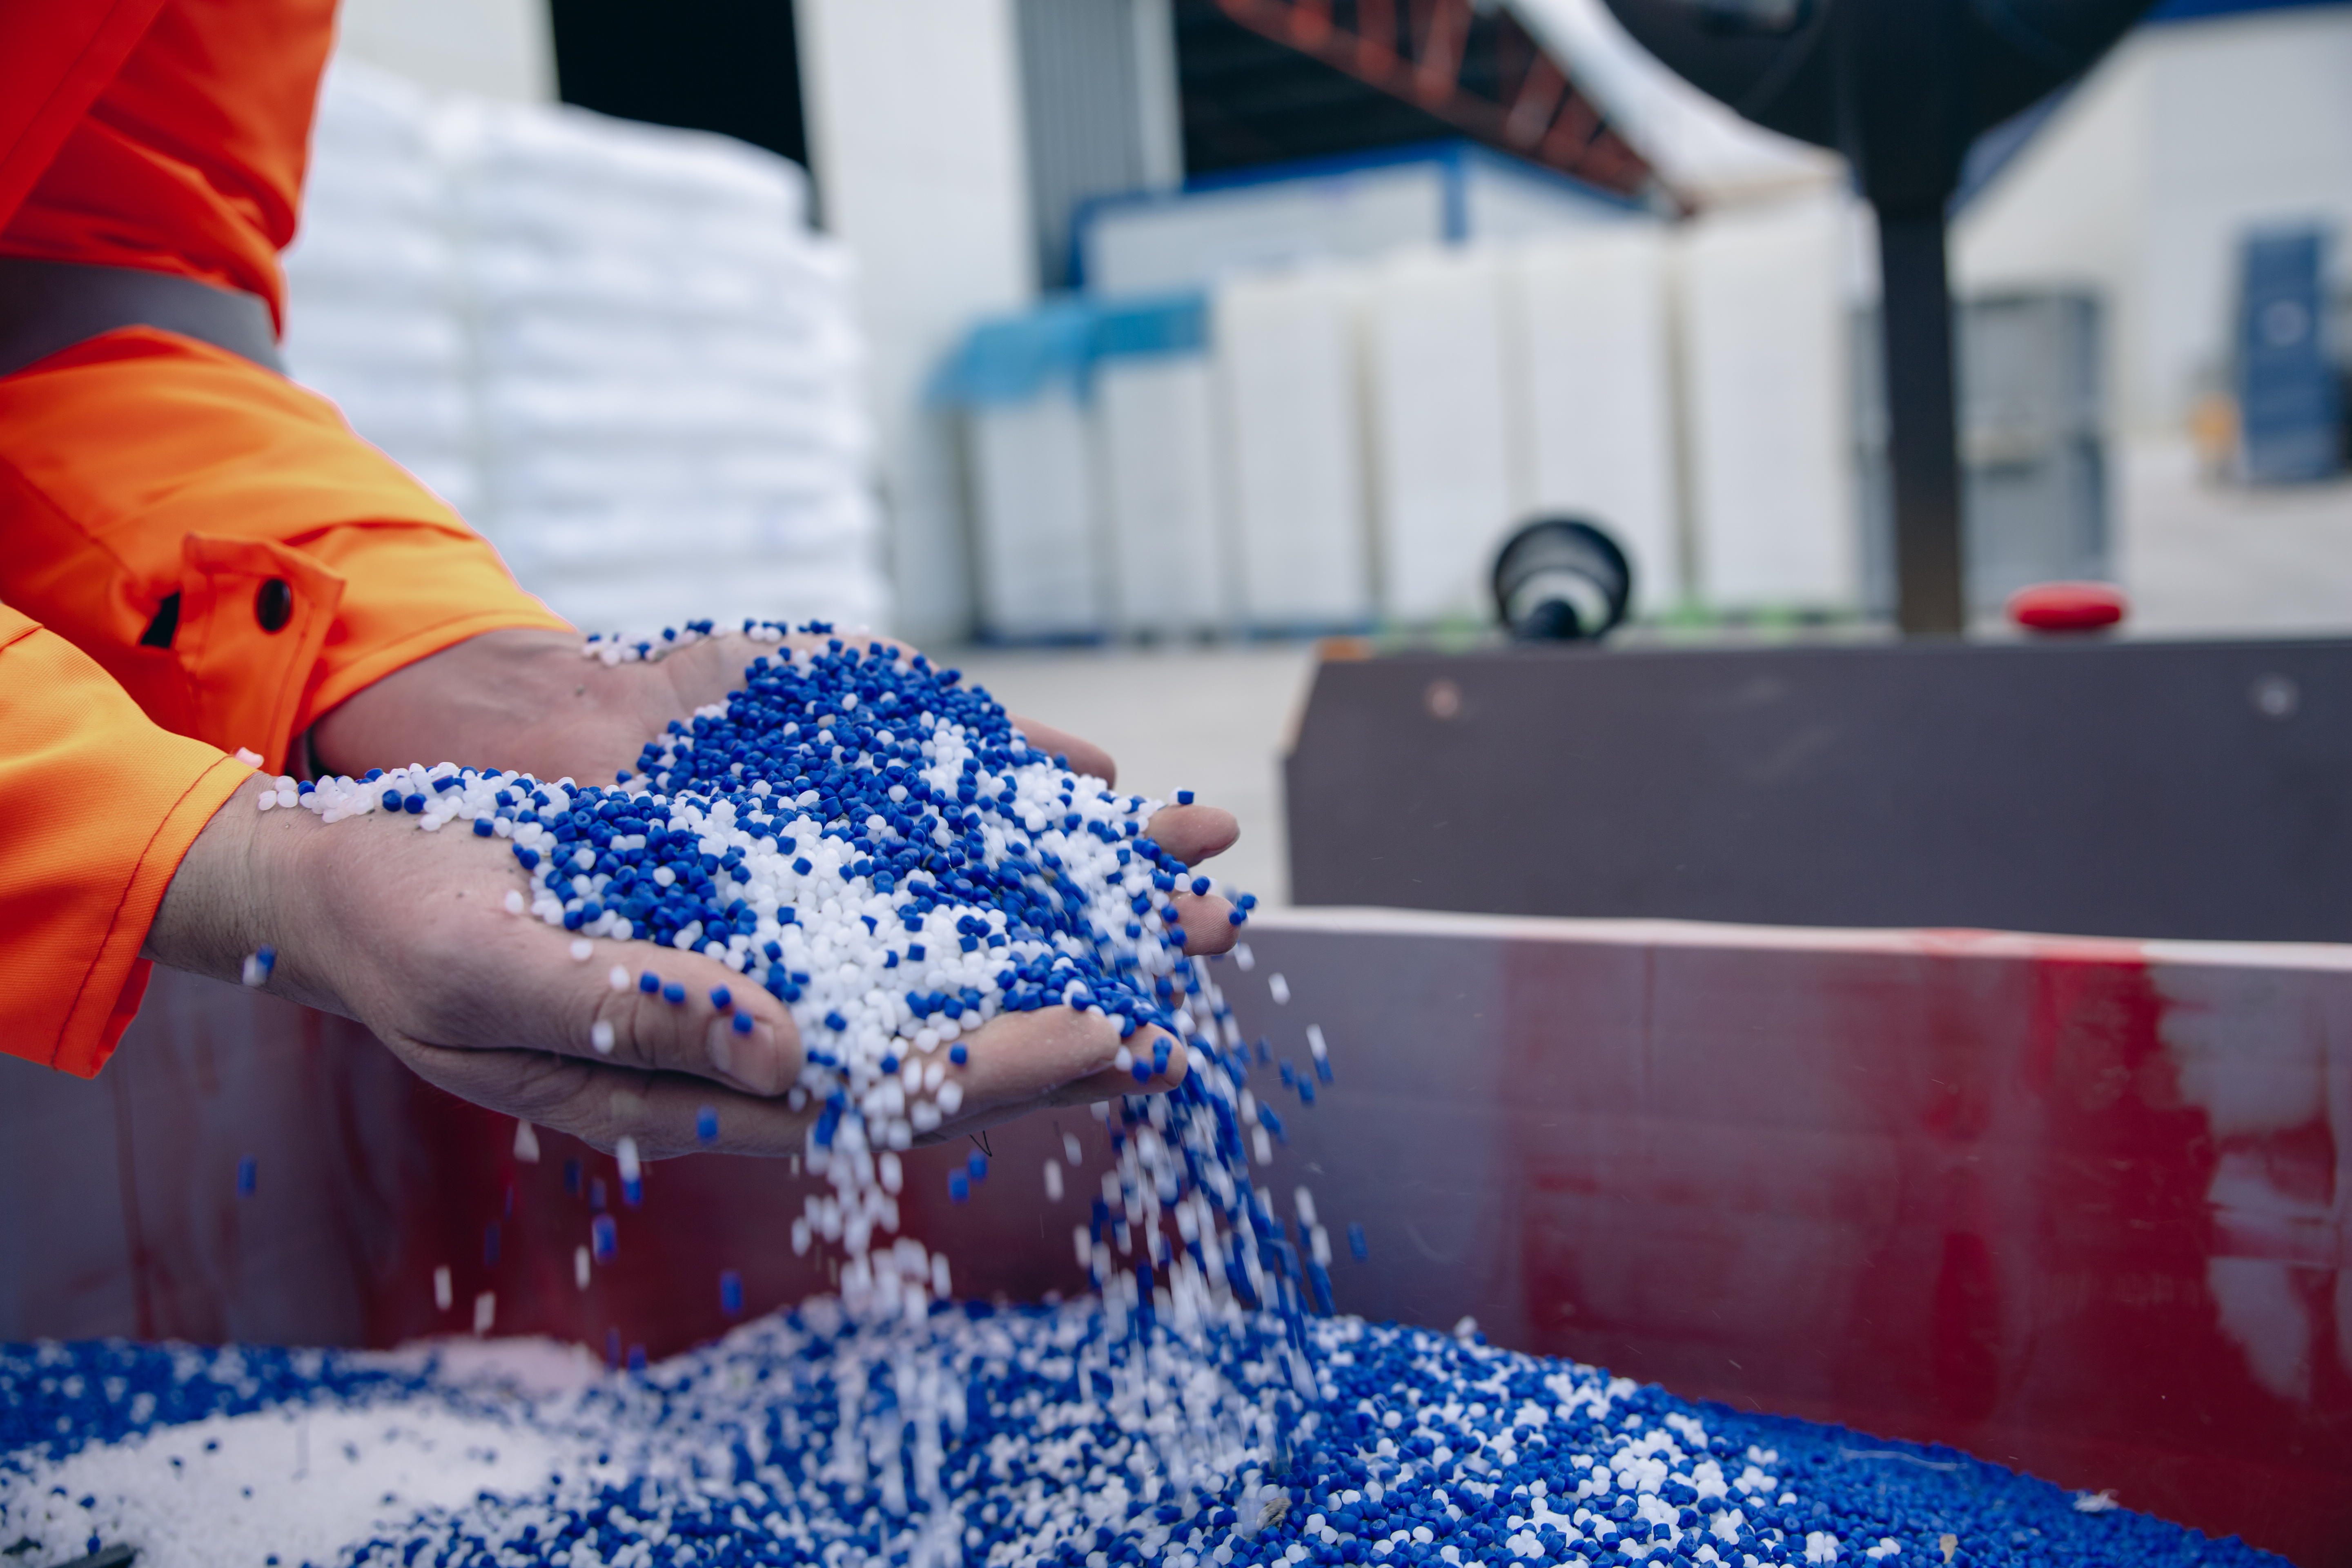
(210, 916)
(474, 701)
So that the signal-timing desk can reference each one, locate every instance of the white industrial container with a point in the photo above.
(617, 349)
(1358, 207)
(1162, 470)
(1022, 384)
(1039, 498)
(1765, 293)
(1441, 415)
(1595, 396)
(1288, 370)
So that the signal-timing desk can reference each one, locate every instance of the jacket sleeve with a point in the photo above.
(56, 58)
(100, 805)
(221, 542)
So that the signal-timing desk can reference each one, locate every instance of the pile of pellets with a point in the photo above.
(1047, 1437)
(870, 840)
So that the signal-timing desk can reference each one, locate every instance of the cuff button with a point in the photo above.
(273, 607)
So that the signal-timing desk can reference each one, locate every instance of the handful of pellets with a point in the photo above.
(870, 840)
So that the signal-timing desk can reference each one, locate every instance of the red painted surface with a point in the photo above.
(2082, 1207)
(2068, 606)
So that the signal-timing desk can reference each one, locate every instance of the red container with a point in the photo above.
(2082, 1207)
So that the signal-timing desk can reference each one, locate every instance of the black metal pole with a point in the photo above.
(1923, 451)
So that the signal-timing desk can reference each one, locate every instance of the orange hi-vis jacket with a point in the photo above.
(197, 556)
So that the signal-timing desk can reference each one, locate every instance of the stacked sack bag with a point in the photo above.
(656, 396)
(373, 317)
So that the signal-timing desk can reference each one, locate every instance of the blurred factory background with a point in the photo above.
(1114, 319)
(1155, 325)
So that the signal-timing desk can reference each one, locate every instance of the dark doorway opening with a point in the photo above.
(729, 66)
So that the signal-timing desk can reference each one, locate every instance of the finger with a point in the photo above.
(1058, 1056)
(699, 1016)
(1207, 923)
(1017, 1057)
(1193, 833)
(663, 1112)
(1083, 757)
(680, 1012)
(1115, 1081)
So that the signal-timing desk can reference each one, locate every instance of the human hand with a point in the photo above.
(408, 933)
(528, 700)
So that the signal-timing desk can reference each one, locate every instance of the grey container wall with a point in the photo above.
(2033, 463)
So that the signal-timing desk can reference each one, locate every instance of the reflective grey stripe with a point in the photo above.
(46, 306)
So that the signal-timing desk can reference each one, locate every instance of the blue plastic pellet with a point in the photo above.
(247, 1177)
(721, 998)
(1183, 797)
(674, 993)
(743, 1023)
(649, 983)
(706, 1124)
(957, 1054)
(1358, 1246)
(959, 1186)
(603, 1237)
(977, 1163)
(731, 1292)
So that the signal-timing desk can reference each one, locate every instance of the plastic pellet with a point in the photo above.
(706, 1124)
(1438, 1447)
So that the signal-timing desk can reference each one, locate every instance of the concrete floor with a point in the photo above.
(1215, 720)
(2202, 558)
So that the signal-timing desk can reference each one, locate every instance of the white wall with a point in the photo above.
(914, 124)
(492, 48)
(2142, 182)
